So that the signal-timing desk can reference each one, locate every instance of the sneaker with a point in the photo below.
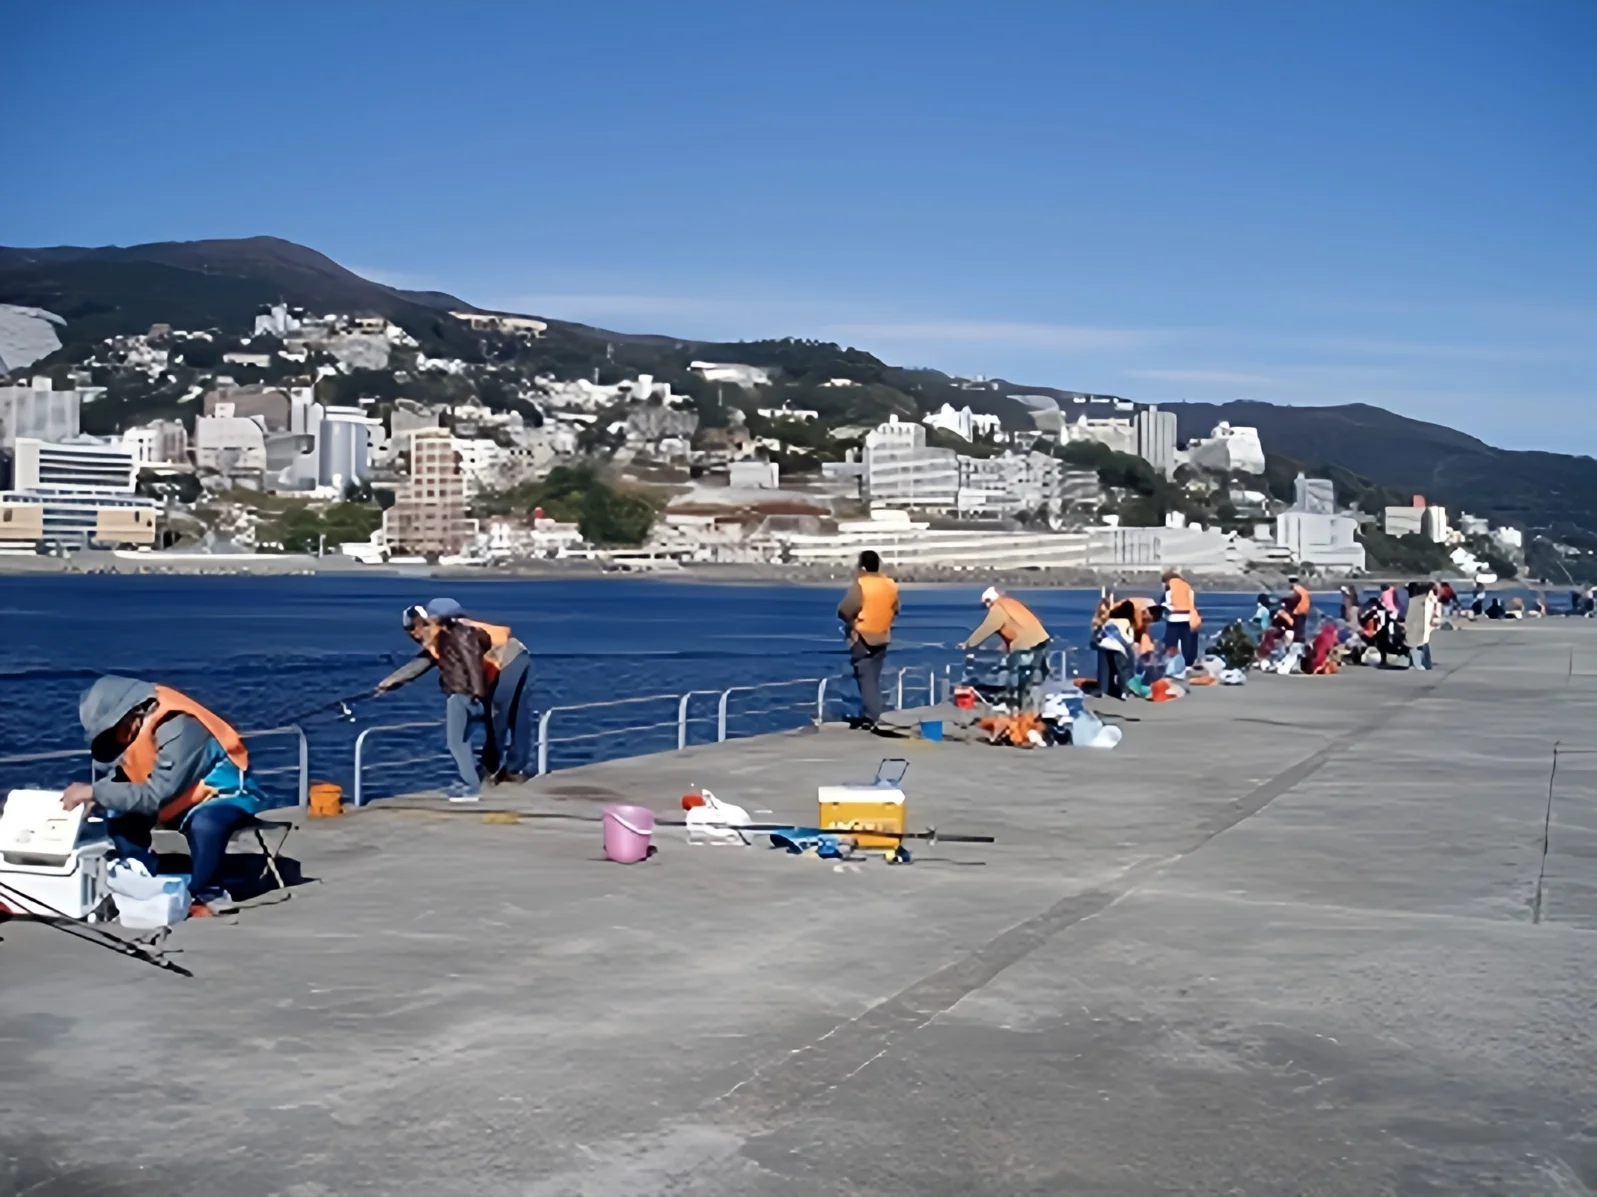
(460, 792)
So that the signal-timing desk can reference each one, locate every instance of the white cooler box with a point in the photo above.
(52, 861)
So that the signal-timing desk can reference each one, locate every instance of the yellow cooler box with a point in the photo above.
(867, 806)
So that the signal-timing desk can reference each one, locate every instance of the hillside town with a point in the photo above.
(340, 434)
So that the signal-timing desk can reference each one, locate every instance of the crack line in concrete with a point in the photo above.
(1547, 836)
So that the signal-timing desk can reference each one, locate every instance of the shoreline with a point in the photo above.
(99, 562)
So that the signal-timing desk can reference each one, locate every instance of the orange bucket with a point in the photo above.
(327, 799)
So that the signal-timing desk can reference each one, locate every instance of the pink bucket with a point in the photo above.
(626, 833)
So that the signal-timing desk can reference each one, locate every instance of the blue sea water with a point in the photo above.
(263, 650)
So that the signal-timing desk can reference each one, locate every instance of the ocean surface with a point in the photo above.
(263, 651)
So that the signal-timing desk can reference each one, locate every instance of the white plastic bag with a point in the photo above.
(144, 902)
(717, 822)
(1089, 731)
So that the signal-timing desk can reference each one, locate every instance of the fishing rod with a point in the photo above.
(930, 835)
(88, 933)
(345, 707)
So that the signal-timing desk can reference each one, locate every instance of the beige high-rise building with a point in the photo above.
(428, 518)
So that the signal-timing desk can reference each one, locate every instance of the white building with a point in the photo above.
(38, 410)
(1433, 524)
(229, 444)
(1156, 439)
(1112, 431)
(1229, 448)
(278, 321)
(1314, 534)
(1402, 521)
(86, 491)
(733, 372)
(754, 475)
(901, 469)
(343, 447)
(1007, 484)
(483, 464)
(799, 415)
(160, 442)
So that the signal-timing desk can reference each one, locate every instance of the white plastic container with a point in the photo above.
(75, 889)
(52, 862)
(144, 903)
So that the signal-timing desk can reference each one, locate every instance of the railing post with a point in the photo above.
(543, 741)
(899, 700)
(820, 702)
(682, 721)
(720, 717)
(360, 743)
(304, 768)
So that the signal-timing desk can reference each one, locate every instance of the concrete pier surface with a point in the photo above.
(1311, 935)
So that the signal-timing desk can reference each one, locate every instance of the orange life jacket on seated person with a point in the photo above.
(498, 639)
(880, 596)
(138, 761)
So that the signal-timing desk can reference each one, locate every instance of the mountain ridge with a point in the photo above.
(110, 290)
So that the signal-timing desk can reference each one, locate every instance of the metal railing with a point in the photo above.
(727, 711)
(360, 748)
(302, 767)
(909, 683)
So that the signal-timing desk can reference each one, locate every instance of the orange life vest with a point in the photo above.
(498, 640)
(1184, 602)
(1301, 600)
(1018, 620)
(138, 761)
(879, 597)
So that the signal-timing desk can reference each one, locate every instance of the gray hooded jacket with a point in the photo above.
(182, 747)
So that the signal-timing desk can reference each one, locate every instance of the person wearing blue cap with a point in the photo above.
(471, 658)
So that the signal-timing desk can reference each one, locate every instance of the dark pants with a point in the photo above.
(1113, 669)
(1300, 627)
(208, 829)
(1185, 637)
(510, 743)
(868, 659)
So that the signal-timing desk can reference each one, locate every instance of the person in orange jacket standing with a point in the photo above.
(867, 612)
(1181, 618)
(1297, 605)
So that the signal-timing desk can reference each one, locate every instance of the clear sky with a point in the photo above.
(1390, 202)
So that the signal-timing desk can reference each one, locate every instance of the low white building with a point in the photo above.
(1111, 431)
(1229, 448)
(1402, 521)
(754, 475)
(901, 469)
(799, 415)
(733, 372)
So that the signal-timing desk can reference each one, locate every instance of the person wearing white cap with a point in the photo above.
(1010, 620)
(1025, 639)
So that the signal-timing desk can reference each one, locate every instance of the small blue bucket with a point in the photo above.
(931, 729)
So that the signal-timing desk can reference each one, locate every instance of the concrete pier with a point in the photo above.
(1312, 935)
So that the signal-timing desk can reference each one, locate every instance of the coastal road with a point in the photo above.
(1328, 936)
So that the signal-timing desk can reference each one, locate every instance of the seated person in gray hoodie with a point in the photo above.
(176, 764)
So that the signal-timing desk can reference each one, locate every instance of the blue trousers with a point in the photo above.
(511, 720)
(209, 827)
(459, 711)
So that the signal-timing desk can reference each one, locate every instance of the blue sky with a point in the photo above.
(1393, 203)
